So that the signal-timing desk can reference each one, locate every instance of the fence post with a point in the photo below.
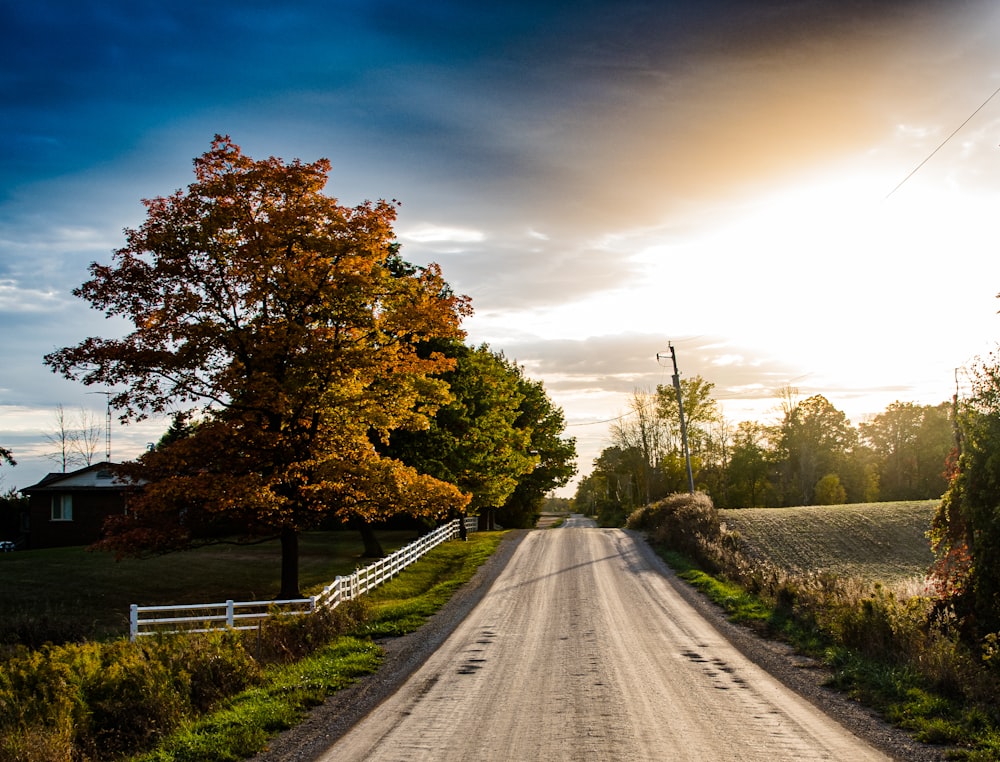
(133, 621)
(230, 610)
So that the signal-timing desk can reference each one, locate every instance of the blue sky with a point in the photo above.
(601, 178)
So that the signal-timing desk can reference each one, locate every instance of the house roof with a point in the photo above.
(97, 476)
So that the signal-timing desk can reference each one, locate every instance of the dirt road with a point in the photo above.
(583, 651)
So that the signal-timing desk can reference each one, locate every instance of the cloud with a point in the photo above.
(20, 303)
(598, 177)
(428, 233)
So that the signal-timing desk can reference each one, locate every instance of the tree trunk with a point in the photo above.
(289, 564)
(373, 549)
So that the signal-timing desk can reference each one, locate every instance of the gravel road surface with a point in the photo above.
(579, 644)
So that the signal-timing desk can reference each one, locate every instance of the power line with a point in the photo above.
(953, 134)
(596, 423)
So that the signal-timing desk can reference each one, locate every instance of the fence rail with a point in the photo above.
(248, 615)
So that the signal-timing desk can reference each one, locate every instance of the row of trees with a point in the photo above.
(326, 375)
(811, 455)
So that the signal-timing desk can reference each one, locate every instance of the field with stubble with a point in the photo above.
(884, 542)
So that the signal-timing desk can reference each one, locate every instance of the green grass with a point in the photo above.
(738, 604)
(884, 542)
(72, 592)
(243, 725)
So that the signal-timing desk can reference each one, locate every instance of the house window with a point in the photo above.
(62, 507)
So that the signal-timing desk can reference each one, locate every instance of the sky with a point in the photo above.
(602, 179)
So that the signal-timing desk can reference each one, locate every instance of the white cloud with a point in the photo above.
(15, 299)
(428, 233)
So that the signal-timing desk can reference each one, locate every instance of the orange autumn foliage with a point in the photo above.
(295, 329)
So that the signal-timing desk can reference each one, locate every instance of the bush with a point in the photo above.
(286, 638)
(829, 491)
(39, 706)
(217, 665)
(688, 523)
(134, 699)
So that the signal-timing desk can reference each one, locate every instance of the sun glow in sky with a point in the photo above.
(600, 178)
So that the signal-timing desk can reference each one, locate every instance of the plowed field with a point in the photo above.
(886, 542)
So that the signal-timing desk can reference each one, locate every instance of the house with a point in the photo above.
(70, 508)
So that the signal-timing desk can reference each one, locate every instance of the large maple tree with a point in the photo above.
(294, 329)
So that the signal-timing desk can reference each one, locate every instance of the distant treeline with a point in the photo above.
(812, 456)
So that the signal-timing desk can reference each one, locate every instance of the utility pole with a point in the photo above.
(680, 409)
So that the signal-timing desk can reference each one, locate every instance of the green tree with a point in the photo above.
(701, 418)
(813, 440)
(935, 444)
(182, 425)
(749, 470)
(555, 455)
(642, 432)
(911, 443)
(612, 490)
(701, 412)
(473, 441)
(829, 491)
(591, 496)
(294, 327)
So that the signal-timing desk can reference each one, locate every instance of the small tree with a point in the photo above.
(86, 439)
(61, 438)
(829, 491)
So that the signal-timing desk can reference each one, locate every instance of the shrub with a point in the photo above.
(685, 522)
(133, 700)
(39, 706)
(829, 491)
(217, 665)
(286, 638)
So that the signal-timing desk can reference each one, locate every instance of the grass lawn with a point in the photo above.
(76, 592)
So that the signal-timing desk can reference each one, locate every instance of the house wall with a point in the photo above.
(90, 508)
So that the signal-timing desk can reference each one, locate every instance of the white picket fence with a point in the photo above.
(247, 615)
